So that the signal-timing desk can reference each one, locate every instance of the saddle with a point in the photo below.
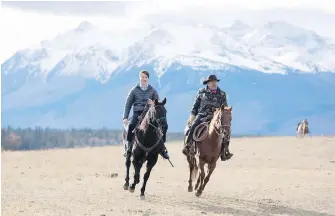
(207, 119)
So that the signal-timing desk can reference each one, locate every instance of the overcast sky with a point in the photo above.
(73, 8)
(25, 23)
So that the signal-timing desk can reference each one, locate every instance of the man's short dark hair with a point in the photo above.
(145, 72)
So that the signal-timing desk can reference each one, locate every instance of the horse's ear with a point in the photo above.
(156, 101)
(230, 108)
(164, 101)
(222, 107)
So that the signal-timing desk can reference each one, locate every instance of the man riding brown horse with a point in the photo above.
(206, 102)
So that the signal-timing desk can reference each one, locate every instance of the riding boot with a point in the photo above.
(228, 155)
(187, 145)
(164, 152)
(225, 154)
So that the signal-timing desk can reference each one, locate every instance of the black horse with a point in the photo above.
(149, 139)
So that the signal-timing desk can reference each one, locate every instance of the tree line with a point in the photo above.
(48, 138)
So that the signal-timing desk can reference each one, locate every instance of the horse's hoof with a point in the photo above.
(198, 193)
(190, 189)
(131, 190)
(142, 197)
(125, 187)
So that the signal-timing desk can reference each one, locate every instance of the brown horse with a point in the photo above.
(207, 149)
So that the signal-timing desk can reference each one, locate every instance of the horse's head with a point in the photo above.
(160, 112)
(156, 116)
(222, 119)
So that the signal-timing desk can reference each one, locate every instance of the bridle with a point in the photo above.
(158, 121)
(223, 127)
(158, 129)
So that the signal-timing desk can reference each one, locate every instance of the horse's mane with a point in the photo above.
(146, 119)
(215, 117)
(216, 114)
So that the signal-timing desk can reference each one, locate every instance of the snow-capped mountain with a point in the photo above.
(81, 77)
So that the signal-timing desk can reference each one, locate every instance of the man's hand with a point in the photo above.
(150, 102)
(190, 119)
(125, 122)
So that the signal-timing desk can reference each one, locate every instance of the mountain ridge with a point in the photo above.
(84, 83)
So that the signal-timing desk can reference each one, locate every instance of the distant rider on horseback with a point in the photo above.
(303, 121)
(140, 97)
(206, 102)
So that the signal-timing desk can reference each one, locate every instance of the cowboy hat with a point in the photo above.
(210, 78)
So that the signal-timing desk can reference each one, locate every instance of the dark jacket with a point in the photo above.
(206, 102)
(138, 98)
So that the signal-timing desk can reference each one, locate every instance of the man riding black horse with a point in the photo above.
(206, 101)
(140, 97)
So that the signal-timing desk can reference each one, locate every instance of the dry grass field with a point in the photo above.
(266, 176)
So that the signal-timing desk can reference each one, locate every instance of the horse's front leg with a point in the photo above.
(128, 163)
(211, 168)
(193, 171)
(151, 162)
(201, 177)
(137, 164)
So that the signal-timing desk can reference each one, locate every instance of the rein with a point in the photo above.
(149, 149)
(157, 122)
(223, 126)
(224, 130)
(205, 129)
